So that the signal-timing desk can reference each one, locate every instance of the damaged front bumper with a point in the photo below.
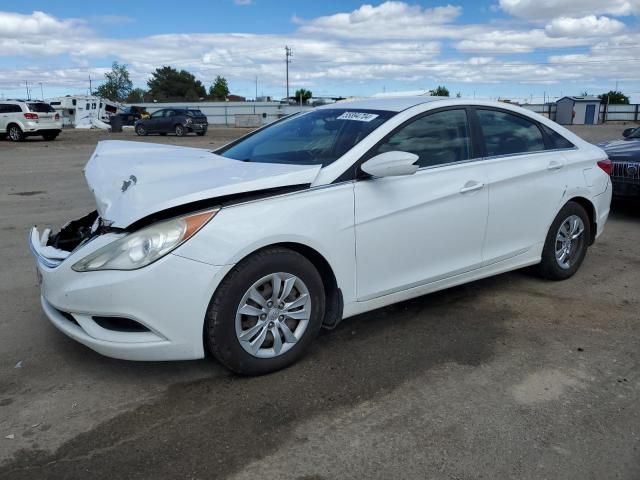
(153, 313)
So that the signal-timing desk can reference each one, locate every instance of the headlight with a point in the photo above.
(139, 249)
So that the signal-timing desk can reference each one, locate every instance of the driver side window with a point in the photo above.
(438, 138)
(158, 114)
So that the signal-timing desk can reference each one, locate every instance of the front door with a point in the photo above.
(416, 229)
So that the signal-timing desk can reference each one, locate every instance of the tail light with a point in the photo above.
(57, 117)
(31, 116)
(606, 166)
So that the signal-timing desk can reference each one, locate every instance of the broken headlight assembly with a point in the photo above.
(142, 247)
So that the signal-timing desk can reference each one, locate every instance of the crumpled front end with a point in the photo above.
(153, 313)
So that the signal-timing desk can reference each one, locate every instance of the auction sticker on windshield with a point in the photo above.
(358, 116)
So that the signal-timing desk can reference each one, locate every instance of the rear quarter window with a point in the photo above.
(556, 140)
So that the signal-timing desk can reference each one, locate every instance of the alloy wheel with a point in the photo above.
(569, 241)
(273, 315)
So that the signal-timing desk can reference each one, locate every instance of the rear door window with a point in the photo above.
(506, 133)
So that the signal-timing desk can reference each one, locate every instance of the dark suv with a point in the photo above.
(173, 120)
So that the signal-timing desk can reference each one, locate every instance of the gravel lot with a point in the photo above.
(509, 377)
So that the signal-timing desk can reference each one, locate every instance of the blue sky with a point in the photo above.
(519, 49)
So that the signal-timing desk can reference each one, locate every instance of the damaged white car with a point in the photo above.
(246, 252)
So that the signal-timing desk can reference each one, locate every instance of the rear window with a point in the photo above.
(40, 107)
(195, 113)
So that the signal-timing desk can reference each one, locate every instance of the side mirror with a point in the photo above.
(627, 131)
(391, 164)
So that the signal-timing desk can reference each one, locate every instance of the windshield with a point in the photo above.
(40, 107)
(635, 133)
(318, 137)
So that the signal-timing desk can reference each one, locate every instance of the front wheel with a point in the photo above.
(141, 131)
(266, 312)
(566, 244)
(180, 131)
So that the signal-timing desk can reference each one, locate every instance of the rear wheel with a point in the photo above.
(266, 312)
(566, 244)
(180, 130)
(50, 136)
(15, 133)
(140, 130)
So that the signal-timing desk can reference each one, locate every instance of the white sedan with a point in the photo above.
(246, 252)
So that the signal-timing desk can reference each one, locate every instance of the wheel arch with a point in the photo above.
(333, 295)
(591, 212)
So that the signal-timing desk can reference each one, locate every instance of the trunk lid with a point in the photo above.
(132, 180)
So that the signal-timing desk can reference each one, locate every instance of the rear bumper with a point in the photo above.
(602, 205)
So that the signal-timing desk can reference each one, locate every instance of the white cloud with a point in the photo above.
(243, 2)
(393, 41)
(589, 26)
(16, 25)
(548, 9)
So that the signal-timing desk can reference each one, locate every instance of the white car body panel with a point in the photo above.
(385, 239)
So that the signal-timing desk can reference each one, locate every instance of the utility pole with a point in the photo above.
(256, 97)
(41, 91)
(26, 86)
(90, 91)
(288, 53)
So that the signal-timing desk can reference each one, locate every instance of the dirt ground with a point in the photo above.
(508, 377)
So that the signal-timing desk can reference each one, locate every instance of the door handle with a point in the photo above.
(470, 186)
(553, 165)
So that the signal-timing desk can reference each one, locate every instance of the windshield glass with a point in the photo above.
(635, 133)
(40, 107)
(318, 137)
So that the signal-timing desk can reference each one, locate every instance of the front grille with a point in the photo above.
(626, 170)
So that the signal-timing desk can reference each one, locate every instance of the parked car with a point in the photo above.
(131, 114)
(247, 251)
(25, 118)
(173, 120)
(625, 155)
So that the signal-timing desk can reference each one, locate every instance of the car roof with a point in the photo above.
(392, 104)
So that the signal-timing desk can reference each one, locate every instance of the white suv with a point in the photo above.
(22, 118)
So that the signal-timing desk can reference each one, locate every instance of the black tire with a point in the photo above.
(163, 134)
(180, 131)
(550, 267)
(50, 136)
(15, 133)
(141, 131)
(220, 324)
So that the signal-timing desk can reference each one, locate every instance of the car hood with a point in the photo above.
(622, 149)
(132, 180)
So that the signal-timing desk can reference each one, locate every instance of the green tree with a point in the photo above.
(614, 97)
(440, 91)
(136, 95)
(219, 91)
(303, 94)
(167, 83)
(117, 85)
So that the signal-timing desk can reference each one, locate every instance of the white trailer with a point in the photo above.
(83, 110)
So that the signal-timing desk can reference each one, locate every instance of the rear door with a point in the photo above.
(526, 183)
(416, 229)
